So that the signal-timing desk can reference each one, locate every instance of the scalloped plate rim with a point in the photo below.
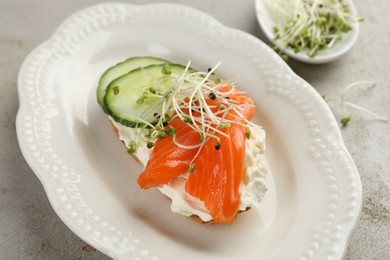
(22, 111)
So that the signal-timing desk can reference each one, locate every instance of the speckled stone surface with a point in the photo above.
(29, 228)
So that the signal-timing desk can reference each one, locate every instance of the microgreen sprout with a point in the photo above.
(149, 144)
(312, 25)
(116, 90)
(345, 120)
(347, 115)
(152, 90)
(345, 103)
(171, 131)
(224, 125)
(218, 146)
(248, 133)
(191, 169)
(186, 119)
(166, 69)
(132, 147)
(140, 100)
(161, 134)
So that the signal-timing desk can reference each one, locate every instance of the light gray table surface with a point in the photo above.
(30, 229)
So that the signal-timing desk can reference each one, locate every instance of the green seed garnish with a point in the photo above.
(161, 134)
(167, 117)
(224, 125)
(187, 119)
(171, 131)
(217, 146)
(201, 138)
(345, 120)
(116, 90)
(132, 147)
(141, 100)
(191, 169)
(248, 133)
(212, 96)
(166, 69)
(149, 144)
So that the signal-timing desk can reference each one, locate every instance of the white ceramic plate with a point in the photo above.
(314, 198)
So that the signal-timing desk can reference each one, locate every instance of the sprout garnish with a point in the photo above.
(310, 24)
(198, 99)
(132, 147)
(347, 115)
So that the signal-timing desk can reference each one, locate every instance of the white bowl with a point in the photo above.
(341, 47)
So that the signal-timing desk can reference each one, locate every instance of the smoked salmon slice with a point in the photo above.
(167, 160)
(217, 170)
(218, 175)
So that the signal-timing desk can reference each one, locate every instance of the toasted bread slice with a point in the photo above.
(194, 217)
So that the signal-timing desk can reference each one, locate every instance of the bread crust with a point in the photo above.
(197, 219)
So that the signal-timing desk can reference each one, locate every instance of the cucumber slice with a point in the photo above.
(121, 69)
(125, 97)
